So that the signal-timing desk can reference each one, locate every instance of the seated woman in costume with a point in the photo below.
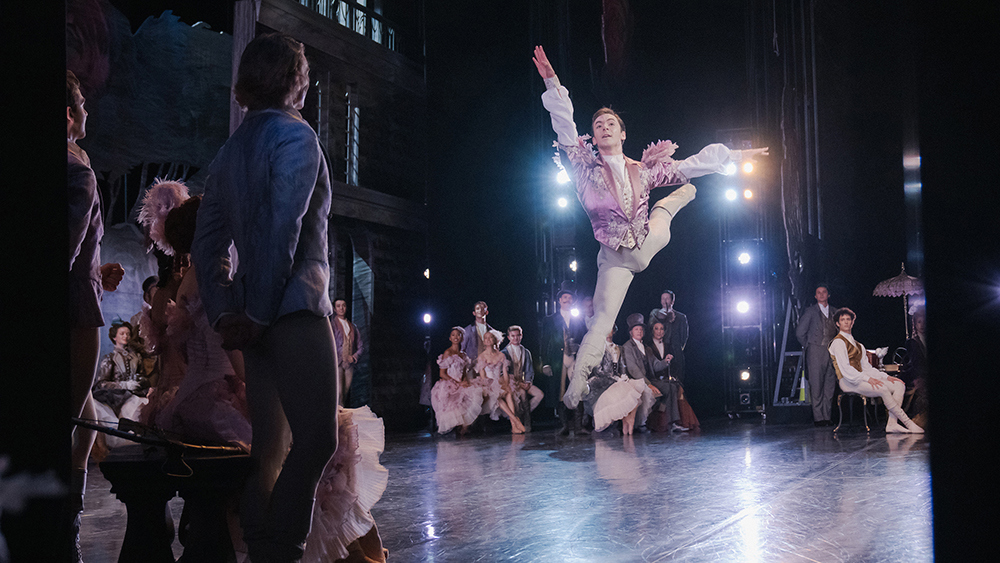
(494, 379)
(455, 401)
(209, 402)
(121, 382)
(613, 394)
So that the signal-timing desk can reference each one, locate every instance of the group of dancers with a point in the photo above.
(632, 382)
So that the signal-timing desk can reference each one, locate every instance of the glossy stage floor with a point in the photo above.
(734, 491)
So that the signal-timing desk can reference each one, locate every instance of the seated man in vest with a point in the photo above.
(522, 376)
(856, 374)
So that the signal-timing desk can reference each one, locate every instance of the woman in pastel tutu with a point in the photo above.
(613, 394)
(456, 402)
(495, 381)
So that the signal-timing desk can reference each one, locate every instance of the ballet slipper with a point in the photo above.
(894, 427)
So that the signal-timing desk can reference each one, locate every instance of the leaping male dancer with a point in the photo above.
(614, 191)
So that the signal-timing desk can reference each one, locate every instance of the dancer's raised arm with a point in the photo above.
(556, 100)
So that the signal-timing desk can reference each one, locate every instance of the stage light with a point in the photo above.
(572, 265)
(747, 194)
(562, 202)
(427, 318)
(730, 169)
(743, 307)
(745, 375)
(575, 312)
(562, 177)
(747, 167)
(731, 195)
(744, 258)
(427, 273)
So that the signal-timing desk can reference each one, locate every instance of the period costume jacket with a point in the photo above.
(472, 343)
(521, 370)
(560, 338)
(353, 344)
(268, 194)
(86, 228)
(618, 206)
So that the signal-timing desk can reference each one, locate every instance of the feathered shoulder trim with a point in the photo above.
(660, 151)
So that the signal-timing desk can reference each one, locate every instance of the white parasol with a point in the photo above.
(901, 285)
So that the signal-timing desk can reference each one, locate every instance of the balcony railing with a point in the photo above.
(364, 17)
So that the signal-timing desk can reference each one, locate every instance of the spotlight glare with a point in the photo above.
(575, 312)
(747, 167)
(744, 258)
(745, 375)
(747, 194)
(427, 318)
(562, 202)
(730, 169)
(743, 307)
(572, 265)
(731, 195)
(427, 273)
(562, 177)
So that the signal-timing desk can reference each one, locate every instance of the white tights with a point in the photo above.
(615, 270)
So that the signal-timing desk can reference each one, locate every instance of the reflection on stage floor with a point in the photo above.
(735, 491)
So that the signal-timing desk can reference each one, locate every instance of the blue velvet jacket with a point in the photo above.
(268, 195)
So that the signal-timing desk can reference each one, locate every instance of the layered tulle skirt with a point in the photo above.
(352, 483)
(455, 405)
(617, 401)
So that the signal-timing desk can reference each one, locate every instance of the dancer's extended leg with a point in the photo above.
(660, 217)
(613, 280)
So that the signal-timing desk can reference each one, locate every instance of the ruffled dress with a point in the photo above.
(172, 367)
(352, 483)
(613, 394)
(490, 385)
(209, 404)
(453, 404)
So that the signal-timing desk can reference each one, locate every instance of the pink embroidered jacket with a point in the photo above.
(595, 185)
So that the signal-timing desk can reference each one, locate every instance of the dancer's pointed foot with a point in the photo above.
(913, 428)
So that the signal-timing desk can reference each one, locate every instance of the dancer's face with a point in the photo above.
(480, 311)
(76, 119)
(658, 331)
(122, 336)
(565, 301)
(340, 307)
(637, 332)
(456, 336)
(666, 301)
(845, 323)
(822, 295)
(515, 337)
(608, 134)
(489, 340)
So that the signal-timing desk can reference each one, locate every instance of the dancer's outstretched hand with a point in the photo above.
(750, 154)
(543, 65)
